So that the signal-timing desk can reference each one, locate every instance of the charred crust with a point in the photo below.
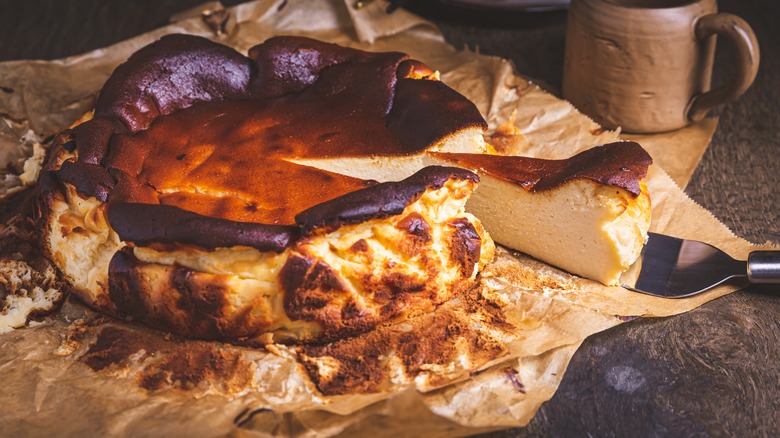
(93, 138)
(69, 146)
(124, 286)
(129, 191)
(48, 187)
(313, 292)
(359, 247)
(91, 180)
(141, 89)
(309, 286)
(465, 245)
(204, 302)
(49, 182)
(289, 64)
(417, 234)
(620, 164)
(425, 112)
(398, 283)
(415, 225)
(147, 223)
(292, 278)
(378, 201)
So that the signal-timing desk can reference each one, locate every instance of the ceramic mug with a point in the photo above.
(646, 65)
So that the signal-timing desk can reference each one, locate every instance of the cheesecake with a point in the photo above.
(208, 193)
(588, 214)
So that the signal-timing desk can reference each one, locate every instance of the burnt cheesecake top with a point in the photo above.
(621, 164)
(190, 140)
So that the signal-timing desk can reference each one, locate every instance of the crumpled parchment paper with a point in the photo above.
(78, 373)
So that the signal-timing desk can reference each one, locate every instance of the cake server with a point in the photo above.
(675, 268)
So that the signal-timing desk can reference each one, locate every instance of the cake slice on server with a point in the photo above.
(588, 214)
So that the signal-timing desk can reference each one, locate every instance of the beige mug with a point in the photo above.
(646, 65)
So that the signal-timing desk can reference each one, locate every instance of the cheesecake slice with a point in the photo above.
(588, 214)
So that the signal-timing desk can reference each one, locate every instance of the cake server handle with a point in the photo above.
(764, 267)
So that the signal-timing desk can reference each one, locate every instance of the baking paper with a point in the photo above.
(80, 373)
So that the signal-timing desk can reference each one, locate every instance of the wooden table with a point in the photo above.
(710, 372)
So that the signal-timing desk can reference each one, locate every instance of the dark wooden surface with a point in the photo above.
(714, 371)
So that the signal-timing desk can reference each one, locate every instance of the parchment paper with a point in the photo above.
(143, 383)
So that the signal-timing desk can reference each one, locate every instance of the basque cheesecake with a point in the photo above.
(179, 202)
(588, 214)
(286, 196)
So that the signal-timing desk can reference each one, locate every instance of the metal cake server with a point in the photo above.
(675, 268)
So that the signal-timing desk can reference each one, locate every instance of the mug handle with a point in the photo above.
(744, 40)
